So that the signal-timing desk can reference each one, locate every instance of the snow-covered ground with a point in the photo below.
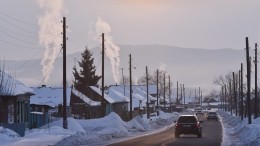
(239, 133)
(112, 128)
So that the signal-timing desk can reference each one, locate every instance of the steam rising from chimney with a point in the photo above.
(111, 50)
(49, 33)
(163, 67)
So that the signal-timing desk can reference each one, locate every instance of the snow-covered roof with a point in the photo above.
(49, 96)
(108, 98)
(117, 96)
(152, 89)
(85, 98)
(138, 95)
(12, 87)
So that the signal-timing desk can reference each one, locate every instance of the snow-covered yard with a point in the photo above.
(112, 128)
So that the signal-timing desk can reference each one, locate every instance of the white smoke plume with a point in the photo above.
(111, 50)
(163, 67)
(49, 33)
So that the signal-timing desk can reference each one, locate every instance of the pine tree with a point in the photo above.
(87, 75)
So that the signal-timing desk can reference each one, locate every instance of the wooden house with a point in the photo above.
(89, 106)
(47, 102)
(14, 104)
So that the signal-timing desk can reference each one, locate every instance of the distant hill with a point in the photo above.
(192, 66)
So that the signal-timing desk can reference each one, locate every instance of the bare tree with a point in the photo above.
(7, 82)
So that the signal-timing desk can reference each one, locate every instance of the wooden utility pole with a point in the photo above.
(103, 110)
(177, 100)
(225, 98)
(170, 93)
(222, 98)
(248, 60)
(183, 95)
(230, 96)
(201, 99)
(65, 122)
(242, 93)
(239, 92)
(130, 78)
(234, 91)
(147, 95)
(157, 105)
(256, 97)
(164, 91)
(199, 96)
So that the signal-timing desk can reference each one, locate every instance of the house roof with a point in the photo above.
(85, 98)
(49, 96)
(14, 87)
(107, 98)
(139, 96)
(117, 96)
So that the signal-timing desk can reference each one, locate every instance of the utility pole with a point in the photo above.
(183, 95)
(157, 106)
(222, 98)
(242, 93)
(234, 92)
(248, 60)
(201, 99)
(239, 92)
(256, 98)
(170, 93)
(65, 122)
(177, 101)
(230, 98)
(164, 91)
(130, 72)
(199, 96)
(147, 95)
(103, 111)
(195, 95)
(123, 79)
(225, 98)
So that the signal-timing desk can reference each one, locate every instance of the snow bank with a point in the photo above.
(239, 133)
(7, 136)
(100, 131)
(73, 125)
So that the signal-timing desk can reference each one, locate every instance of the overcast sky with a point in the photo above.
(210, 24)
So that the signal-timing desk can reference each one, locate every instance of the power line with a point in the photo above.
(50, 68)
(20, 46)
(18, 20)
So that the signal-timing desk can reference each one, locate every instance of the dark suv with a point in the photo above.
(188, 124)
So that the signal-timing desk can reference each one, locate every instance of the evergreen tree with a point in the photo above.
(87, 74)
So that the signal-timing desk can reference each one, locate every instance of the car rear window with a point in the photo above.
(212, 113)
(187, 119)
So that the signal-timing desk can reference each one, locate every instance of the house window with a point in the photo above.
(11, 113)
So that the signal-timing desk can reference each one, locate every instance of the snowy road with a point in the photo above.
(212, 135)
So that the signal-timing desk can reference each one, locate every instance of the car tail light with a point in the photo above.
(177, 125)
(198, 124)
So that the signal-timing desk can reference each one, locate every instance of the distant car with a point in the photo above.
(188, 124)
(212, 115)
(198, 111)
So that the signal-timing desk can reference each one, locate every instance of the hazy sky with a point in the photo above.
(31, 28)
(210, 24)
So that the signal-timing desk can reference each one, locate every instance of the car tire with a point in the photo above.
(199, 135)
